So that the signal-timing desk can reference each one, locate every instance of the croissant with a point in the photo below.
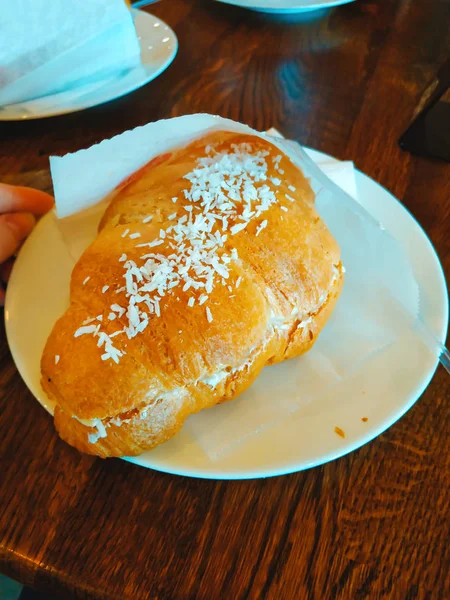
(210, 263)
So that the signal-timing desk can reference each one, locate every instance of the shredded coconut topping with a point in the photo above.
(261, 227)
(224, 193)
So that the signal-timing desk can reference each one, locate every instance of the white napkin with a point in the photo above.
(363, 323)
(49, 46)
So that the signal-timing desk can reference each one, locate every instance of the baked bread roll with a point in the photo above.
(210, 263)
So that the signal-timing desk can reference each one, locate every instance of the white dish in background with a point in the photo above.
(283, 7)
(158, 49)
(387, 386)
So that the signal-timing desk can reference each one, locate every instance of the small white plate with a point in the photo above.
(158, 49)
(283, 7)
(387, 386)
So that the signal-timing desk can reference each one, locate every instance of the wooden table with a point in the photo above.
(371, 525)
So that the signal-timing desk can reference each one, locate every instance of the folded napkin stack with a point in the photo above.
(51, 46)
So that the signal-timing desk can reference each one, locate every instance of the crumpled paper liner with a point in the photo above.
(378, 278)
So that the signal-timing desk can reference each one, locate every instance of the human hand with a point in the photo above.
(19, 207)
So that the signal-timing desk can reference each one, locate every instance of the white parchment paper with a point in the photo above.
(379, 281)
(47, 46)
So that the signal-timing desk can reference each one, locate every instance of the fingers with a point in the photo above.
(15, 198)
(14, 228)
(20, 204)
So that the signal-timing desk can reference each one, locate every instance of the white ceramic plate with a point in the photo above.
(158, 49)
(286, 6)
(382, 392)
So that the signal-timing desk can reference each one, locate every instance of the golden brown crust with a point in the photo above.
(290, 279)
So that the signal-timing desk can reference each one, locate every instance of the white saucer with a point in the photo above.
(286, 6)
(158, 49)
(387, 386)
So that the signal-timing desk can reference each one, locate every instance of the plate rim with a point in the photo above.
(280, 10)
(74, 109)
(358, 441)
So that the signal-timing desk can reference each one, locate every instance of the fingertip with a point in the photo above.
(36, 201)
(14, 198)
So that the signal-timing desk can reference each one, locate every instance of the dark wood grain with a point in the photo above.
(374, 524)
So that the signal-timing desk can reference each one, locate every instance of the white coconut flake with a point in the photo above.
(209, 315)
(237, 228)
(123, 258)
(292, 188)
(86, 280)
(191, 301)
(116, 333)
(105, 288)
(154, 243)
(125, 233)
(100, 433)
(238, 282)
(57, 357)
(290, 198)
(284, 208)
(118, 309)
(85, 330)
(260, 227)
(147, 219)
(135, 235)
